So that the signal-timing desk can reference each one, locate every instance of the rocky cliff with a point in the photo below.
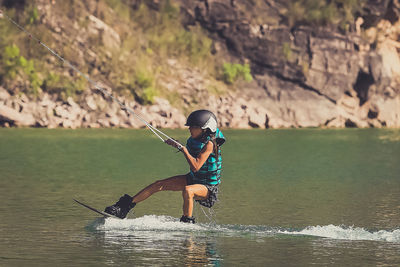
(310, 75)
(305, 74)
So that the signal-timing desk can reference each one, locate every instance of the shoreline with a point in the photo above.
(94, 111)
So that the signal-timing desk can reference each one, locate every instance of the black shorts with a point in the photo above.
(212, 193)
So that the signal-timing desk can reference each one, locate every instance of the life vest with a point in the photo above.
(210, 172)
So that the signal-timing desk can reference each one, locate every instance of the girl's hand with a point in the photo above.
(174, 143)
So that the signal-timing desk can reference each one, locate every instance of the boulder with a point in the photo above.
(46, 101)
(110, 37)
(67, 124)
(388, 110)
(114, 121)
(61, 111)
(4, 95)
(257, 117)
(90, 102)
(20, 119)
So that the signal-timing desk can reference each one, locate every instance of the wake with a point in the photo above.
(157, 224)
(348, 233)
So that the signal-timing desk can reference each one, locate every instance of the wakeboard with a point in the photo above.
(105, 214)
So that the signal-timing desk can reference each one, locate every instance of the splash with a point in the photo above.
(348, 233)
(145, 223)
(167, 224)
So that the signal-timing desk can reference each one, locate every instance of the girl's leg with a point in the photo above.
(190, 192)
(175, 183)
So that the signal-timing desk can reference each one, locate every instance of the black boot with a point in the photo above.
(122, 207)
(186, 219)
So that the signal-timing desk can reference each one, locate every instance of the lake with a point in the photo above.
(293, 197)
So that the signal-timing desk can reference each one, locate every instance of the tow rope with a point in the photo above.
(156, 131)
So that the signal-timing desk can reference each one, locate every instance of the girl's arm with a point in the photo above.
(196, 163)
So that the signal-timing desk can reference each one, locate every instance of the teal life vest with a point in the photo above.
(210, 172)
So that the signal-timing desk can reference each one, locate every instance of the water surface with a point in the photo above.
(289, 198)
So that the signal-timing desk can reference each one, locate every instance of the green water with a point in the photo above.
(289, 198)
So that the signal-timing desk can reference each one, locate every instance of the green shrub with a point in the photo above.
(149, 38)
(52, 82)
(232, 72)
(11, 61)
(16, 65)
(149, 93)
(74, 86)
(120, 8)
(64, 86)
(33, 15)
(166, 37)
(145, 86)
(323, 12)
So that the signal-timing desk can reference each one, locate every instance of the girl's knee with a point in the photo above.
(188, 192)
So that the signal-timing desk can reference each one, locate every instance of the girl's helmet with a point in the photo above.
(204, 119)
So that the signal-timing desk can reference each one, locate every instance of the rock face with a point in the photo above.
(110, 38)
(312, 76)
(304, 76)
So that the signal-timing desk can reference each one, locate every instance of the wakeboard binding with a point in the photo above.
(187, 219)
(122, 207)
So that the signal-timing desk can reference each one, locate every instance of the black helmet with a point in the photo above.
(204, 119)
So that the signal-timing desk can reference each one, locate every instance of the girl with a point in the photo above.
(203, 154)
